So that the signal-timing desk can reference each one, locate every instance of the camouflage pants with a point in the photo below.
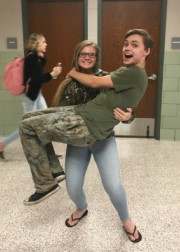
(39, 128)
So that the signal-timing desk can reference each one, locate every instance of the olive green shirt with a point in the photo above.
(130, 84)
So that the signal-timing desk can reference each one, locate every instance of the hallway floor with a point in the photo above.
(150, 173)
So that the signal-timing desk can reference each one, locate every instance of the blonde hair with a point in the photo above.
(60, 92)
(33, 42)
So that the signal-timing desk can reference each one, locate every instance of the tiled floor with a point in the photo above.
(151, 175)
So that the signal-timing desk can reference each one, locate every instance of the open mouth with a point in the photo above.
(128, 56)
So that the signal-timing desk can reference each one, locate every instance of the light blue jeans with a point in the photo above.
(28, 105)
(106, 157)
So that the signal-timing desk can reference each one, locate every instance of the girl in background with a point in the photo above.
(34, 64)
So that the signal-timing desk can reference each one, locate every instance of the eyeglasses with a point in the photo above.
(84, 54)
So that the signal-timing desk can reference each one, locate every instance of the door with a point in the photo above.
(61, 22)
(129, 14)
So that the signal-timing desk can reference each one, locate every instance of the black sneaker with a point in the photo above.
(59, 176)
(38, 197)
(2, 155)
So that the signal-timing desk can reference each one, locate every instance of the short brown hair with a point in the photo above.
(147, 40)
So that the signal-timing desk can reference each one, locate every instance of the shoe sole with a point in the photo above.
(27, 203)
(60, 178)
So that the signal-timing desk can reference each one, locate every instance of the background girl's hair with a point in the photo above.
(33, 41)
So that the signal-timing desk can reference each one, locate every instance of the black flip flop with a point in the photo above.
(68, 225)
(2, 154)
(136, 240)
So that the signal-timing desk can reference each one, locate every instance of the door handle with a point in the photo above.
(152, 77)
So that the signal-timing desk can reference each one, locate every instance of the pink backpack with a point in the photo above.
(13, 77)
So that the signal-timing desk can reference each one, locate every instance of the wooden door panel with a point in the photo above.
(120, 16)
(61, 22)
